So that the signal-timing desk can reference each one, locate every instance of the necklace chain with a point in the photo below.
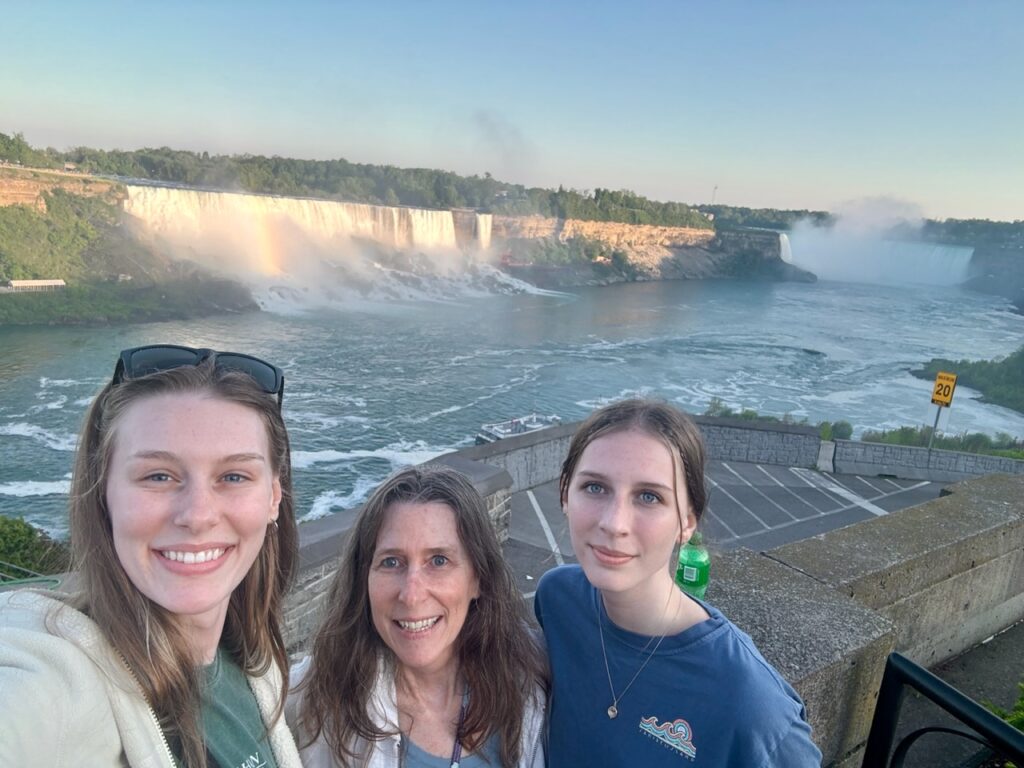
(613, 710)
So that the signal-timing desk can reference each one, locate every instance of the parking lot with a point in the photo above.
(750, 505)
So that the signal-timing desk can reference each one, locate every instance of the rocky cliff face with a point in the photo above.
(999, 271)
(25, 187)
(652, 252)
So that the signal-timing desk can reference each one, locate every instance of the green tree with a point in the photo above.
(29, 549)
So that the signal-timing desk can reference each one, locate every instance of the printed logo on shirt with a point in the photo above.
(253, 761)
(675, 734)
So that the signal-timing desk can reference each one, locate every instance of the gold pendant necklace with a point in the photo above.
(613, 710)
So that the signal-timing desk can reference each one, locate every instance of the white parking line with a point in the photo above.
(803, 473)
(739, 503)
(869, 485)
(758, 491)
(788, 490)
(834, 486)
(547, 528)
(717, 519)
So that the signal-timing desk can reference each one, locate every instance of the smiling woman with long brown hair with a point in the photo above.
(425, 655)
(184, 540)
(643, 674)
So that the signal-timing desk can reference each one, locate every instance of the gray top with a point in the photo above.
(414, 757)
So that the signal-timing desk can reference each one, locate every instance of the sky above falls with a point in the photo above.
(763, 104)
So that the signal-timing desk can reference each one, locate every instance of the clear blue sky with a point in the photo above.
(781, 104)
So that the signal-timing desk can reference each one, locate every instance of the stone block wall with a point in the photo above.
(913, 463)
(531, 459)
(737, 440)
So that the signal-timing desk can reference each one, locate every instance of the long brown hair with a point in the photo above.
(659, 420)
(498, 656)
(153, 641)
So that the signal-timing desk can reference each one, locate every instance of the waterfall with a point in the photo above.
(483, 230)
(785, 249)
(195, 215)
(299, 251)
(858, 257)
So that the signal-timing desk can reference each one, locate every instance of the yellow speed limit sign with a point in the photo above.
(942, 393)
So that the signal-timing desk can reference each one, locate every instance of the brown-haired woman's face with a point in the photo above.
(190, 492)
(624, 516)
(421, 582)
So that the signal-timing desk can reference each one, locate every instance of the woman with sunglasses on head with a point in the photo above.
(184, 541)
(425, 657)
(643, 674)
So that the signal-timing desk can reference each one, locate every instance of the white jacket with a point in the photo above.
(384, 713)
(68, 699)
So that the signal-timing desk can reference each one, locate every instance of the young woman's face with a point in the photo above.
(421, 583)
(190, 493)
(624, 517)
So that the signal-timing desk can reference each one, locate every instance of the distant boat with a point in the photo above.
(489, 433)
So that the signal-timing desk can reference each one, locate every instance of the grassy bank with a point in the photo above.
(1001, 382)
(1002, 444)
(103, 303)
(969, 442)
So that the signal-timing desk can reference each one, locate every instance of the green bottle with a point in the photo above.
(694, 564)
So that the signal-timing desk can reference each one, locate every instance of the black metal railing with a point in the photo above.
(989, 730)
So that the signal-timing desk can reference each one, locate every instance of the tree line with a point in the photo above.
(360, 182)
(340, 179)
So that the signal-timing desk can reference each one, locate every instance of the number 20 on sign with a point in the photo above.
(942, 393)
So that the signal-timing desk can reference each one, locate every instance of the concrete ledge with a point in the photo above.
(830, 648)
(945, 575)
(887, 559)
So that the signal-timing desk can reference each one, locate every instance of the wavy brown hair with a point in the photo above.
(153, 641)
(498, 655)
(659, 420)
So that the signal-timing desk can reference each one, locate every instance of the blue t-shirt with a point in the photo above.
(706, 697)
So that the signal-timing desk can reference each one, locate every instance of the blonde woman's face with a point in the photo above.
(190, 494)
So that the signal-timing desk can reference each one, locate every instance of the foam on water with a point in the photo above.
(54, 405)
(26, 488)
(50, 439)
(328, 501)
(45, 382)
(399, 454)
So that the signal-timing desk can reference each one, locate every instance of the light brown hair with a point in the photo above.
(153, 641)
(499, 658)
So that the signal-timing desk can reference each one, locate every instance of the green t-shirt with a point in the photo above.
(234, 730)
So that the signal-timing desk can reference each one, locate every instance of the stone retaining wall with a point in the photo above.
(759, 442)
(913, 463)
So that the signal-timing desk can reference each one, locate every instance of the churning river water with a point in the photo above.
(374, 388)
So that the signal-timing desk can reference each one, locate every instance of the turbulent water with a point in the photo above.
(391, 383)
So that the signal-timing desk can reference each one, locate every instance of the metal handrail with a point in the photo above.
(26, 573)
(996, 734)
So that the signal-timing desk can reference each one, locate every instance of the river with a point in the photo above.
(375, 387)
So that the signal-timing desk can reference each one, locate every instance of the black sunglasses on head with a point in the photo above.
(140, 361)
